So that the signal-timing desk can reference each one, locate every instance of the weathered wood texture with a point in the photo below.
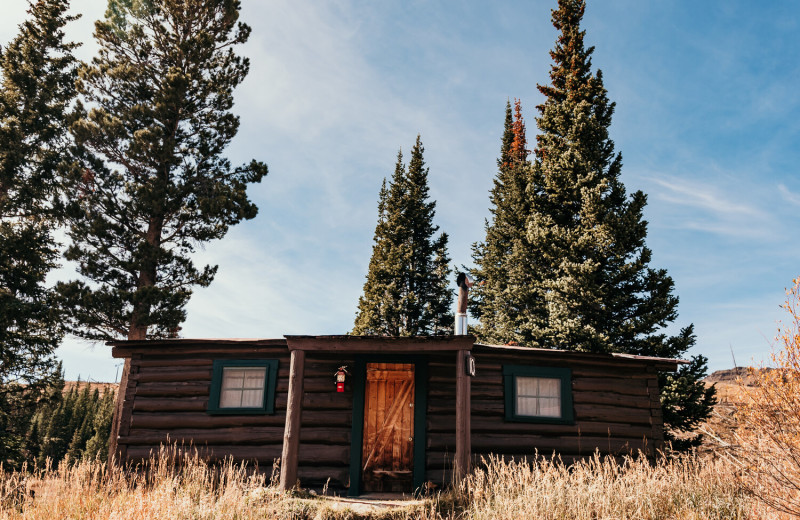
(123, 410)
(463, 406)
(616, 405)
(167, 398)
(325, 408)
(387, 453)
(379, 344)
(294, 412)
(441, 403)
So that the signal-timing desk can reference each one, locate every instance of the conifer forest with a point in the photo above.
(136, 205)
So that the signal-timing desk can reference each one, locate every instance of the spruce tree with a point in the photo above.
(592, 288)
(37, 76)
(503, 258)
(406, 292)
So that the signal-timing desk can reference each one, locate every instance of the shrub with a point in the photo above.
(764, 441)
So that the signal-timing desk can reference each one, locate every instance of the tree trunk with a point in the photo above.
(136, 331)
(147, 278)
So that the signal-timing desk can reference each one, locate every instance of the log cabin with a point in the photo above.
(367, 413)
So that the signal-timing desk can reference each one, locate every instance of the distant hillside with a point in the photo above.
(731, 382)
(728, 389)
(731, 375)
(100, 387)
(727, 376)
(732, 388)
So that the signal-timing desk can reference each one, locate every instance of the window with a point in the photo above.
(243, 386)
(538, 394)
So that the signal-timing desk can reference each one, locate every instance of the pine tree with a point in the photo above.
(58, 429)
(97, 445)
(73, 425)
(37, 74)
(591, 287)
(151, 181)
(406, 292)
(82, 424)
(42, 414)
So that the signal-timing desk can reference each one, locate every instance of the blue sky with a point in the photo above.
(707, 121)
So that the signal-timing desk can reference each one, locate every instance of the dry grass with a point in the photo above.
(685, 488)
(600, 488)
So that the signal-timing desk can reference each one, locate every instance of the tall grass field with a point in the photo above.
(685, 487)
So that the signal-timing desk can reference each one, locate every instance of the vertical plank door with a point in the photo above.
(388, 445)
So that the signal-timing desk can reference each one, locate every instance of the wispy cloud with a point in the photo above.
(789, 195)
(711, 208)
(703, 196)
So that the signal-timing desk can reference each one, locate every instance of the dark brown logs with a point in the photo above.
(173, 389)
(170, 404)
(176, 374)
(248, 435)
(321, 474)
(446, 424)
(314, 454)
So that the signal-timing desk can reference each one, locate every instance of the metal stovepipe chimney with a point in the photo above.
(464, 282)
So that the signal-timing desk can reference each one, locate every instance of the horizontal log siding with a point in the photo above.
(324, 458)
(615, 405)
(655, 409)
(169, 398)
(441, 417)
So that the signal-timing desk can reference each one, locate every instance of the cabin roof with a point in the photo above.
(661, 362)
(384, 344)
(194, 341)
(388, 344)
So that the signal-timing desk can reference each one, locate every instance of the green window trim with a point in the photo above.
(510, 374)
(270, 382)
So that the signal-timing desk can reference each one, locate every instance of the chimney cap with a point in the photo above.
(464, 279)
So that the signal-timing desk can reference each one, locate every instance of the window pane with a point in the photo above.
(527, 386)
(526, 406)
(538, 396)
(252, 398)
(550, 407)
(549, 387)
(242, 387)
(230, 399)
(254, 377)
(232, 378)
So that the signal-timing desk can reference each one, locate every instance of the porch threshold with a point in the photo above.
(372, 502)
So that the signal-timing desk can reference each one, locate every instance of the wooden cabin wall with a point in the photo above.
(441, 417)
(167, 403)
(616, 404)
(325, 423)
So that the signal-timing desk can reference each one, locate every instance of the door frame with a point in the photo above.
(359, 404)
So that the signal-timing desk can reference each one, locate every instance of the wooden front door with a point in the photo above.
(388, 448)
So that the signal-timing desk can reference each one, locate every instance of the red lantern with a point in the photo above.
(340, 377)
